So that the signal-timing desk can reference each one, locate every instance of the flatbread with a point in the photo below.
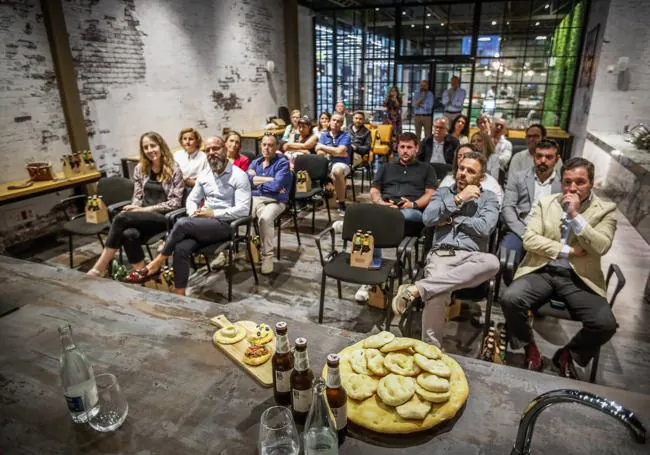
(437, 367)
(375, 361)
(416, 408)
(262, 334)
(401, 363)
(433, 397)
(230, 335)
(428, 350)
(378, 340)
(398, 344)
(433, 383)
(395, 390)
(359, 362)
(259, 360)
(359, 386)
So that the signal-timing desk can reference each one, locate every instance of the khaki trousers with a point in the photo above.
(265, 211)
(423, 121)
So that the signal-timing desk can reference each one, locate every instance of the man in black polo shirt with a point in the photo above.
(405, 184)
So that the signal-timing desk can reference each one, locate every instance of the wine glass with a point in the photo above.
(278, 434)
(111, 408)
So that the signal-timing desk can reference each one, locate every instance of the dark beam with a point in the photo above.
(292, 64)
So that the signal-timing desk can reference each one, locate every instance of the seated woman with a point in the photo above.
(233, 146)
(293, 127)
(488, 183)
(460, 129)
(191, 160)
(323, 123)
(158, 189)
(483, 141)
(301, 143)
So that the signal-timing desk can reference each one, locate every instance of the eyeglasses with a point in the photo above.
(268, 133)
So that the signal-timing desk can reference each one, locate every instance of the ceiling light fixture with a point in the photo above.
(547, 6)
(537, 23)
(412, 25)
(403, 13)
(376, 9)
(494, 22)
(485, 38)
(442, 24)
(540, 38)
(508, 23)
(427, 27)
(428, 14)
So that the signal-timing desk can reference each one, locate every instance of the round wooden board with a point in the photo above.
(374, 415)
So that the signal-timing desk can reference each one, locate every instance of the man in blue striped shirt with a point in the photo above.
(423, 109)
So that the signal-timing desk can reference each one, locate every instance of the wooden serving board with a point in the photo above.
(262, 373)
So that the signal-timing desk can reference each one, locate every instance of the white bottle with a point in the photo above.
(77, 378)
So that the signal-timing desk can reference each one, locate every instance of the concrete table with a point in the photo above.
(185, 396)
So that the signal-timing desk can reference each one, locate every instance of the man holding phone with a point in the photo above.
(405, 184)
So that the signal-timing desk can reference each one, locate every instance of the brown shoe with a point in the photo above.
(533, 357)
(564, 362)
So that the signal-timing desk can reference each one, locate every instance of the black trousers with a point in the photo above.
(188, 235)
(531, 291)
(127, 228)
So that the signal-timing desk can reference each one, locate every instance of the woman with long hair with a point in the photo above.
(483, 140)
(190, 159)
(233, 146)
(393, 106)
(460, 129)
(323, 123)
(293, 127)
(158, 189)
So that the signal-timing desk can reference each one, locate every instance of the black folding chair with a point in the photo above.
(112, 190)
(387, 227)
(317, 168)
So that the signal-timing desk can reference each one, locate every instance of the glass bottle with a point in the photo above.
(320, 429)
(282, 362)
(77, 377)
(356, 241)
(336, 396)
(301, 382)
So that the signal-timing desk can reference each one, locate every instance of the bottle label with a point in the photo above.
(301, 400)
(282, 381)
(283, 344)
(333, 378)
(302, 361)
(341, 416)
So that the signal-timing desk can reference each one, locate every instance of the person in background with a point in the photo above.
(293, 127)
(345, 115)
(483, 140)
(453, 99)
(158, 189)
(393, 107)
(191, 160)
(271, 180)
(336, 144)
(565, 240)
(301, 143)
(440, 146)
(460, 129)
(523, 161)
(225, 193)
(233, 146)
(323, 123)
(502, 146)
(360, 137)
(488, 182)
(423, 107)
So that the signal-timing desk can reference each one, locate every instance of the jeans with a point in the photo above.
(128, 228)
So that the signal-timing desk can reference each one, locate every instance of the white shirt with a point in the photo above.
(488, 183)
(503, 150)
(542, 189)
(438, 155)
(493, 166)
(455, 104)
(191, 165)
(228, 194)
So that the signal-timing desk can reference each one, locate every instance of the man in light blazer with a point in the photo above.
(523, 191)
(565, 240)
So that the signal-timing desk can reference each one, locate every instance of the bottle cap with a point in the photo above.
(333, 360)
(301, 342)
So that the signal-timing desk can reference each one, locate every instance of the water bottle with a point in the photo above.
(77, 378)
(320, 429)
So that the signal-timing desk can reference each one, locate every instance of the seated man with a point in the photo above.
(271, 180)
(335, 144)
(406, 184)
(301, 142)
(565, 239)
(525, 159)
(523, 190)
(226, 193)
(464, 216)
(360, 136)
(440, 146)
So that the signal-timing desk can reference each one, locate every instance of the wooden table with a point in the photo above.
(552, 133)
(8, 196)
(258, 135)
(185, 396)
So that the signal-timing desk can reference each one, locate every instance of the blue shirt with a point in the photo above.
(228, 194)
(343, 138)
(426, 108)
(455, 102)
(278, 168)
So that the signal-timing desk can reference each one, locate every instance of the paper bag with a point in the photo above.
(255, 248)
(363, 245)
(73, 165)
(303, 182)
(96, 210)
(376, 297)
(164, 282)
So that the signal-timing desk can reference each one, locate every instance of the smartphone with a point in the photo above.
(400, 203)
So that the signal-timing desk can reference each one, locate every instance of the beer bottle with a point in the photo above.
(282, 362)
(301, 382)
(366, 243)
(336, 396)
(357, 241)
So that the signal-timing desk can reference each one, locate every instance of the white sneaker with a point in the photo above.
(362, 294)
(267, 265)
(431, 338)
(219, 261)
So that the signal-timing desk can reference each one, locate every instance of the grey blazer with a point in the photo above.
(519, 195)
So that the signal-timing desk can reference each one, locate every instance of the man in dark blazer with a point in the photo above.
(440, 146)
(523, 190)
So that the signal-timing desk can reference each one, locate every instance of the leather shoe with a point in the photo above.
(533, 357)
(564, 362)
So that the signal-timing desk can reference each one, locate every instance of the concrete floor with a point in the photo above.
(293, 291)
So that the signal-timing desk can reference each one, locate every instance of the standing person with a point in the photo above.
(233, 146)
(293, 127)
(323, 122)
(464, 217)
(453, 99)
(158, 189)
(393, 106)
(565, 240)
(336, 144)
(440, 146)
(423, 107)
(502, 146)
(271, 180)
(191, 160)
(460, 129)
(347, 117)
(523, 161)
(226, 195)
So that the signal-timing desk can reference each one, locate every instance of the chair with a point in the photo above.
(283, 113)
(383, 145)
(387, 226)
(558, 309)
(250, 155)
(317, 168)
(441, 170)
(112, 190)
(364, 166)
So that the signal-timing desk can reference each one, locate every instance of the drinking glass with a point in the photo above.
(278, 434)
(111, 409)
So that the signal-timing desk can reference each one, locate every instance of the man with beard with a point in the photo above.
(464, 216)
(524, 160)
(226, 193)
(523, 191)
